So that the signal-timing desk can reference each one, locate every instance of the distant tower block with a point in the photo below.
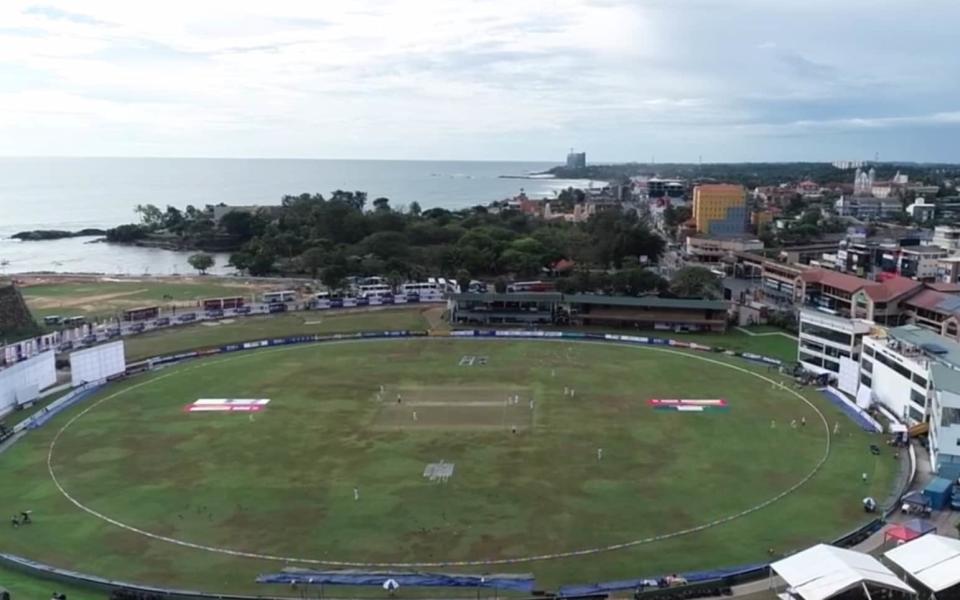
(576, 160)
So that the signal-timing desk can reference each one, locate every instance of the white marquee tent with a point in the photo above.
(931, 559)
(824, 571)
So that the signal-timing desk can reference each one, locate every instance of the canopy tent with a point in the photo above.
(910, 530)
(933, 560)
(824, 571)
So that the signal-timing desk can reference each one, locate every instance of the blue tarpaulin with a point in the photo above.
(516, 583)
(593, 589)
(855, 415)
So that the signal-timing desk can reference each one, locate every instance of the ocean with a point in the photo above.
(75, 193)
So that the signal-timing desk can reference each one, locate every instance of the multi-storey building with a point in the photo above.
(944, 412)
(948, 269)
(947, 237)
(915, 374)
(712, 250)
(826, 342)
(720, 209)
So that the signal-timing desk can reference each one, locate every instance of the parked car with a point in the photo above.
(214, 314)
(137, 328)
(186, 318)
(161, 322)
(243, 310)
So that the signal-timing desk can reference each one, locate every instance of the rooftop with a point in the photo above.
(936, 347)
(936, 301)
(509, 297)
(595, 300)
(646, 302)
(945, 378)
(894, 287)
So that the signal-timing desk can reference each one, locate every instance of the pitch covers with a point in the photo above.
(688, 404)
(228, 405)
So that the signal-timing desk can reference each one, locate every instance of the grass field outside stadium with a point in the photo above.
(333, 468)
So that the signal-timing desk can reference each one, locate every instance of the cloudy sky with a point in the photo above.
(482, 79)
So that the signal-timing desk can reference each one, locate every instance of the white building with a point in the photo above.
(830, 344)
(915, 374)
(947, 237)
(945, 422)
(922, 211)
(896, 372)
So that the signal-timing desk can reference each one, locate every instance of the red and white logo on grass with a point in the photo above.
(248, 405)
(688, 404)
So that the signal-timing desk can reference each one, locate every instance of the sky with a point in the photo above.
(664, 80)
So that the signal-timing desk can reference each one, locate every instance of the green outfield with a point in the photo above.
(553, 448)
(218, 333)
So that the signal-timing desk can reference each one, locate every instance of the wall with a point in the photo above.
(39, 371)
(892, 389)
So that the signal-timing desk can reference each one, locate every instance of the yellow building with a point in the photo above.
(720, 209)
(760, 219)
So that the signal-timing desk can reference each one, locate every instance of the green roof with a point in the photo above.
(945, 378)
(646, 302)
(595, 300)
(509, 297)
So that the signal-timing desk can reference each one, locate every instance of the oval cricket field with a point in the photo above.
(575, 461)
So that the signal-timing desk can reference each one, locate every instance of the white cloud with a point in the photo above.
(367, 77)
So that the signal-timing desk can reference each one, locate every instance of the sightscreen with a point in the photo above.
(97, 363)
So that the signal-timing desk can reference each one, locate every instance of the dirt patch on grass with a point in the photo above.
(84, 302)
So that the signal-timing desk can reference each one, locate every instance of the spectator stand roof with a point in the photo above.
(933, 560)
(823, 571)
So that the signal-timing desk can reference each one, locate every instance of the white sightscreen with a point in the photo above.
(97, 363)
(34, 373)
(849, 377)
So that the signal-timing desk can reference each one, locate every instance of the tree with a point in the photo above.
(126, 233)
(312, 260)
(201, 261)
(150, 216)
(242, 225)
(636, 281)
(676, 215)
(696, 282)
(381, 205)
(500, 285)
(463, 280)
(333, 276)
(415, 209)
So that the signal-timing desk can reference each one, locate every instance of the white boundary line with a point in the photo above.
(461, 563)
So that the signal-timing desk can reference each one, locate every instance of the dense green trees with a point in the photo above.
(696, 282)
(341, 235)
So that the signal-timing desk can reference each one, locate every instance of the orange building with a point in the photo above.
(720, 209)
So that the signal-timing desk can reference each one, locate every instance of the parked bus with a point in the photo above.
(279, 297)
(233, 302)
(141, 314)
(378, 291)
(531, 286)
(430, 288)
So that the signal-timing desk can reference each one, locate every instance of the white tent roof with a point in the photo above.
(933, 559)
(824, 571)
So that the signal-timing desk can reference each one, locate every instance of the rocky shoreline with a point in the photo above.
(43, 235)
